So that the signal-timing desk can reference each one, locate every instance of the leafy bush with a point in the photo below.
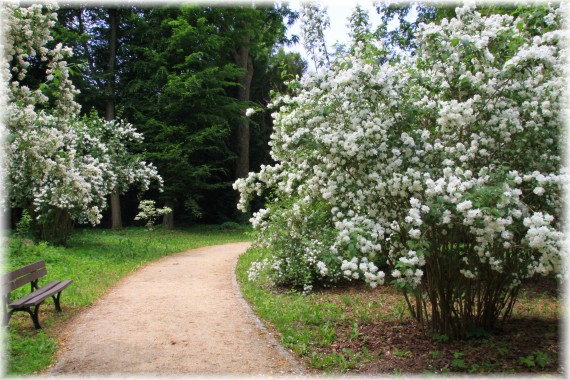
(419, 161)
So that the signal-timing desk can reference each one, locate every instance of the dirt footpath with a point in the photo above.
(182, 315)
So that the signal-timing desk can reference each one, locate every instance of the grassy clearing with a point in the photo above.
(95, 260)
(356, 329)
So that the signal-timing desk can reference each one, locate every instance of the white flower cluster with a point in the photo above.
(455, 151)
(353, 270)
(408, 276)
(57, 159)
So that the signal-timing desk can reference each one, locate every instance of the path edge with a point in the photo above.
(299, 368)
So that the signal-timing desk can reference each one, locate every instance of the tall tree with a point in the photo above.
(243, 59)
(116, 220)
(176, 89)
(95, 33)
(254, 33)
(190, 82)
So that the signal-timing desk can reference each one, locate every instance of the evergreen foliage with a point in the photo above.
(178, 82)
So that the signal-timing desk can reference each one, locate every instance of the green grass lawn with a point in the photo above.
(94, 259)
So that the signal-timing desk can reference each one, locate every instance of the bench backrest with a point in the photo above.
(22, 276)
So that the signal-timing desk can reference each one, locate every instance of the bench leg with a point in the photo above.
(56, 301)
(6, 318)
(33, 313)
(7, 314)
(35, 316)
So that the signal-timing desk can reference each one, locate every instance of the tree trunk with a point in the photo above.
(110, 82)
(116, 217)
(57, 228)
(168, 219)
(243, 60)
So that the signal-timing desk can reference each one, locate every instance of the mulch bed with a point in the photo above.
(528, 343)
(402, 347)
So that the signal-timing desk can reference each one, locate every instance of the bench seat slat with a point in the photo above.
(29, 298)
(40, 294)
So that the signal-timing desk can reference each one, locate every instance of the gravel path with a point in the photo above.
(181, 315)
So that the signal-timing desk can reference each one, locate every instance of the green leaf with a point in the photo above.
(352, 249)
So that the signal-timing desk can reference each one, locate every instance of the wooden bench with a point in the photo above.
(31, 302)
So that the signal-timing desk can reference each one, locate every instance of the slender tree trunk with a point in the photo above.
(243, 60)
(168, 219)
(116, 217)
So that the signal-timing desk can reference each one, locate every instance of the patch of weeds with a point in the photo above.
(399, 310)
(365, 315)
(338, 361)
(457, 362)
(354, 332)
(302, 348)
(441, 338)
(328, 334)
(402, 353)
(503, 349)
(539, 358)
(488, 366)
(474, 368)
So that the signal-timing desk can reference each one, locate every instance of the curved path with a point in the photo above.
(181, 315)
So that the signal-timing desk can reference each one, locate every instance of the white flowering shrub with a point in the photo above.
(61, 166)
(445, 166)
(149, 213)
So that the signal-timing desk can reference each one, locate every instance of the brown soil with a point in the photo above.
(182, 315)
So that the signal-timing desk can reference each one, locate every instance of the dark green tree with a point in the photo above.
(184, 76)
(175, 90)
(187, 88)
(253, 34)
